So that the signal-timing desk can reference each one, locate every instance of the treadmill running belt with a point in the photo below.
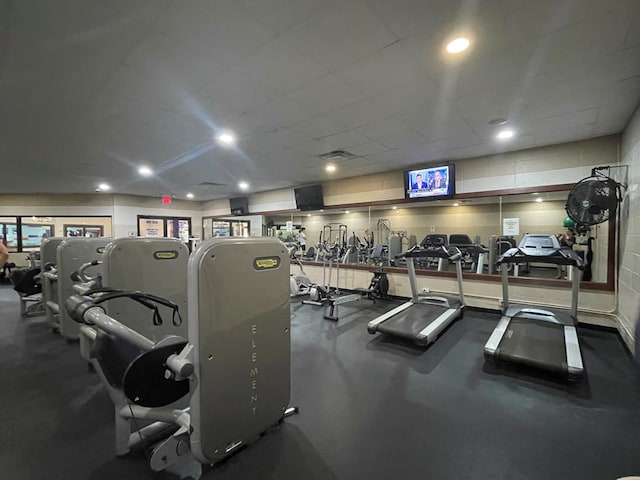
(413, 320)
(534, 343)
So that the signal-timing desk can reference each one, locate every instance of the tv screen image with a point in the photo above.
(430, 182)
(309, 198)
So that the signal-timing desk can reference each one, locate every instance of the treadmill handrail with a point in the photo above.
(556, 256)
(542, 315)
(452, 253)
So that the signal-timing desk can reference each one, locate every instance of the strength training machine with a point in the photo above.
(233, 367)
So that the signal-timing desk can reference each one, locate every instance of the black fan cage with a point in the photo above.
(593, 200)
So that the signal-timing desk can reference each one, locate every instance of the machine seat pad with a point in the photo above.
(24, 281)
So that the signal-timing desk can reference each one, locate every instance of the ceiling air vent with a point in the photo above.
(211, 184)
(337, 156)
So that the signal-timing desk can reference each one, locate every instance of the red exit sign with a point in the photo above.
(166, 199)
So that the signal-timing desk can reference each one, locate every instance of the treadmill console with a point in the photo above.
(539, 245)
(434, 246)
(437, 240)
(542, 248)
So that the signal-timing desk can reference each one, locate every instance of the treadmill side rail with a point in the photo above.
(574, 358)
(496, 337)
(431, 332)
(371, 326)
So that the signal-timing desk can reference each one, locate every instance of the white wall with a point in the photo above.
(123, 210)
(629, 254)
(552, 165)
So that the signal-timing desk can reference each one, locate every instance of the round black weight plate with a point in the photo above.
(145, 383)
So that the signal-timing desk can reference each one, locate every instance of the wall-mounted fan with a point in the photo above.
(594, 199)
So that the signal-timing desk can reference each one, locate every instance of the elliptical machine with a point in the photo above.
(299, 284)
(320, 294)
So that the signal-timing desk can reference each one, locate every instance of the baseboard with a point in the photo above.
(627, 337)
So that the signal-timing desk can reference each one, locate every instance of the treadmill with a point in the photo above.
(422, 318)
(542, 338)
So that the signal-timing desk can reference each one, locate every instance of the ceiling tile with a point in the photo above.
(416, 95)
(357, 113)
(233, 93)
(408, 17)
(392, 133)
(340, 33)
(368, 148)
(277, 113)
(326, 94)
(434, 127)
(220, 30)
(281, 67)
(382, 71)
(179, 68)
(319, 127)
(280, 15)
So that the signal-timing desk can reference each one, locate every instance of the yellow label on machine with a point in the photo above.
(165, 254)
(266, 263)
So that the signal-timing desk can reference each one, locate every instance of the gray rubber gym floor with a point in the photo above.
(371, 408)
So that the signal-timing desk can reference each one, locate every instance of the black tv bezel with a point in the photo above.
(307, 208)
(245, 204)
(430, 198)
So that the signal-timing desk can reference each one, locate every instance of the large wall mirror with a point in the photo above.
(494, 223)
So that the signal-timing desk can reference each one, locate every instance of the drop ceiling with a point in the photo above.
(90, 90)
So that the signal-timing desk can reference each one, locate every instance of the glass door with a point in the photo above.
(241, 228)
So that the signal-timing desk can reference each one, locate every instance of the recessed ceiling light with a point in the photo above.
(539, 199)
(243, 185)
(458, 45)
(308, 214)
(321, 210)
(456, 204)
(190, 195)
(347, 211)
(226, 138)
(104, 187)
(145, 171)
(330, 168)
(505, 134)
(395, 208)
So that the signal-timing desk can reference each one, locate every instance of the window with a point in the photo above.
(83, 231)
(9, 233)
(225, 228)
(173, 227)
(26, 233)
(33, 234)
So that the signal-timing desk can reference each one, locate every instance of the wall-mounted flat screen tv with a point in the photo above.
(309, 198)
(430, 182)
(239, 206)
